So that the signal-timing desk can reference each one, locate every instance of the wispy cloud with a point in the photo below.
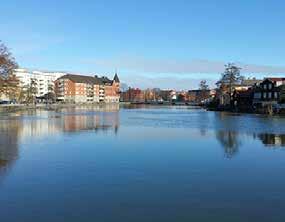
(139, 64)
(186, 82)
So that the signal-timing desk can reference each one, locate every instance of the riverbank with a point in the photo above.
(4, 109)
(7, 108)
(164, 103)
(22, 107)
(267, 110)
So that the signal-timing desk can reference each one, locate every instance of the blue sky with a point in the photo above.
(167, 44)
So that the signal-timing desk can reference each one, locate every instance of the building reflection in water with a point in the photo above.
(100, 122)
(230, 134)
(71, 120)
(38, 124)
(98, 119)
(232, 140)
(272, 140)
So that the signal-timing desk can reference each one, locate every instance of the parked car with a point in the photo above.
(4, 102)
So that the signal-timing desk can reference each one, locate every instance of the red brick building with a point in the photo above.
(81, 89)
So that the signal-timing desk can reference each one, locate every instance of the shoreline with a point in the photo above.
(22, 107)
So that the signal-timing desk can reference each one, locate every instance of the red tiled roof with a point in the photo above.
(275, 79)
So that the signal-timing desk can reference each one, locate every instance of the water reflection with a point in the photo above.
(230, 142)
(272, 140)
(71, 120)
(38, 124)
(226, 129)
(9, 151)
(232, 129)
(156, 154)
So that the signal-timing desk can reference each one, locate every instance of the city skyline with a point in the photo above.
(148, 47)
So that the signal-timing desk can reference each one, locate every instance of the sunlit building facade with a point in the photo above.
(43, 80)
(83, 89)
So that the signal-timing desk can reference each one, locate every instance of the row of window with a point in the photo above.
(266, 95)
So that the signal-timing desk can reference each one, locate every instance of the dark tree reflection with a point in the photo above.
(9, 135)
(230, 142)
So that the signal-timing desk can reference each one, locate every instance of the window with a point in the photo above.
(275, 95)
(269, 95)
(264, 86)
(269, 86)
(264, 96)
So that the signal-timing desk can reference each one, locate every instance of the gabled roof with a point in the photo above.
(88, 79)
(79, 78)
(106, 80)
(275, 79)
(97, 80)
(116, 78)
(251, 82)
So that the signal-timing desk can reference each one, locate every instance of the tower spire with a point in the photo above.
(116, 78)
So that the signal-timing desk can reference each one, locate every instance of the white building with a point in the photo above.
(44, 79)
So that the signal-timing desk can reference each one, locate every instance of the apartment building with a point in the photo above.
(72, 88)
(43, 80)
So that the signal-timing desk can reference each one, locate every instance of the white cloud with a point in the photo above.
(180, 66)
(142, 81)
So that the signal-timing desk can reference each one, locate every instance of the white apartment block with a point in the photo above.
(44, 79)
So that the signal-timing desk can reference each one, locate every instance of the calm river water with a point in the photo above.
(141, 164)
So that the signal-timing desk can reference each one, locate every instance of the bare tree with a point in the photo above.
(31, 92)
(203, 85)
(230, 78)
(8, 82)
(204, 90)
(7, 61)
(51, 97)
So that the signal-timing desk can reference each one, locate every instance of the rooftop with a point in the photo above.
(81, 79)
(87, 79)
(251, 82)
(276, 79)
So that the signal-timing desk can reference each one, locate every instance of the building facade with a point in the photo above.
(42, 80)
(87, 89)
(266, 93)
